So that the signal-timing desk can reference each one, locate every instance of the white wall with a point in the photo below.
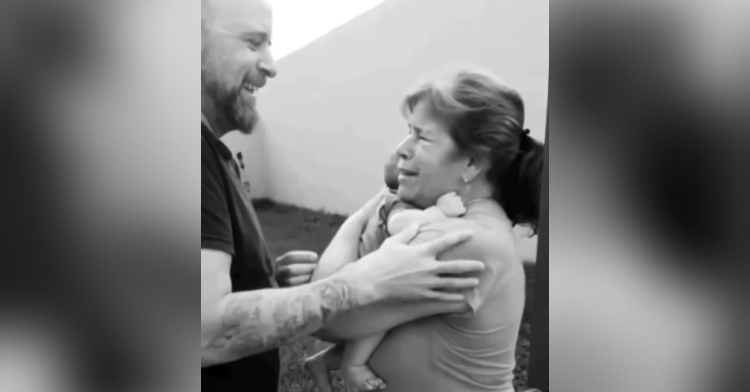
(331, 116)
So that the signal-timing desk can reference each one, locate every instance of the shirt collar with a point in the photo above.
(223, 149)
(204, 121)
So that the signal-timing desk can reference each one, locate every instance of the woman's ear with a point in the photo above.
(474, 168)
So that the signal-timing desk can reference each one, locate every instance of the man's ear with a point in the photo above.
(474, 168)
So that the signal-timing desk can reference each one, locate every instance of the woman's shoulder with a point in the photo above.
(489, 240)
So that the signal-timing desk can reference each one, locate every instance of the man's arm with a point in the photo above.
(237, 325)
(382, 317)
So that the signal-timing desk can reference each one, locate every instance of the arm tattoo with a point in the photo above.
(259, 321)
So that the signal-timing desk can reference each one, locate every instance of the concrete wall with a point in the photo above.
(331, 116)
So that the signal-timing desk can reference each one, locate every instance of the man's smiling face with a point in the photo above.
(235, 58)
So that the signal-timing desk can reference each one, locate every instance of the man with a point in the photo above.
(247, 309)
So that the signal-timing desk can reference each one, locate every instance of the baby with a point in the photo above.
(392, 216)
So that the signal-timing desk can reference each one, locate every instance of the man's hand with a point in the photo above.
(295, 268)
(401, 272)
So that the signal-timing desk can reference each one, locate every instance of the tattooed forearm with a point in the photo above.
(257, 321)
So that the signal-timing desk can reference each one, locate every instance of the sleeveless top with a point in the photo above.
(460, 353)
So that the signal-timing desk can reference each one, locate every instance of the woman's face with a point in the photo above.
(430, 163)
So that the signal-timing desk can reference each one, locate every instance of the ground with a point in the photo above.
(289, 228)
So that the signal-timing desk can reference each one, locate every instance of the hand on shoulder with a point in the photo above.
(486, 244)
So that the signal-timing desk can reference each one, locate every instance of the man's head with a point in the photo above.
(235, 59)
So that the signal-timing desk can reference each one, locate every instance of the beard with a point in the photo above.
(239, 110)
(221, 81)
(234, 105)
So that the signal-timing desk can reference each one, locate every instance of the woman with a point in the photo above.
(465, 135)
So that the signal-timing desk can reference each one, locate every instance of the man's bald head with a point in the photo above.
(216, 13)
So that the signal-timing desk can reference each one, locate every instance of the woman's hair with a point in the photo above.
(486, 121)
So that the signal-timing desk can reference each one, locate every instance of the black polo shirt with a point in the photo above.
(229, 224)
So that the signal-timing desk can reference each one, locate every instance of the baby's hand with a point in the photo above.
(451, 205)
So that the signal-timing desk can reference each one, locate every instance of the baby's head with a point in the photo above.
(391, 172)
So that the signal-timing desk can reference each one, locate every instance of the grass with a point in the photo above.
(290, 228)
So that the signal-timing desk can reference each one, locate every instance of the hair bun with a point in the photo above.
(526, 142)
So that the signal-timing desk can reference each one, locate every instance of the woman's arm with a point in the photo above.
(344, 247)
(379, 318)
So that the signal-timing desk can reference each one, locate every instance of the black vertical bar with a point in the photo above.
(539, 361)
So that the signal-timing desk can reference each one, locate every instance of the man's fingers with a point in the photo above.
(447, 241)
(299, 280)
(458, 298)
(406, 235)
(456, 283)
(459, 267)
(298, 257)
(296, 270)
(452, 306)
